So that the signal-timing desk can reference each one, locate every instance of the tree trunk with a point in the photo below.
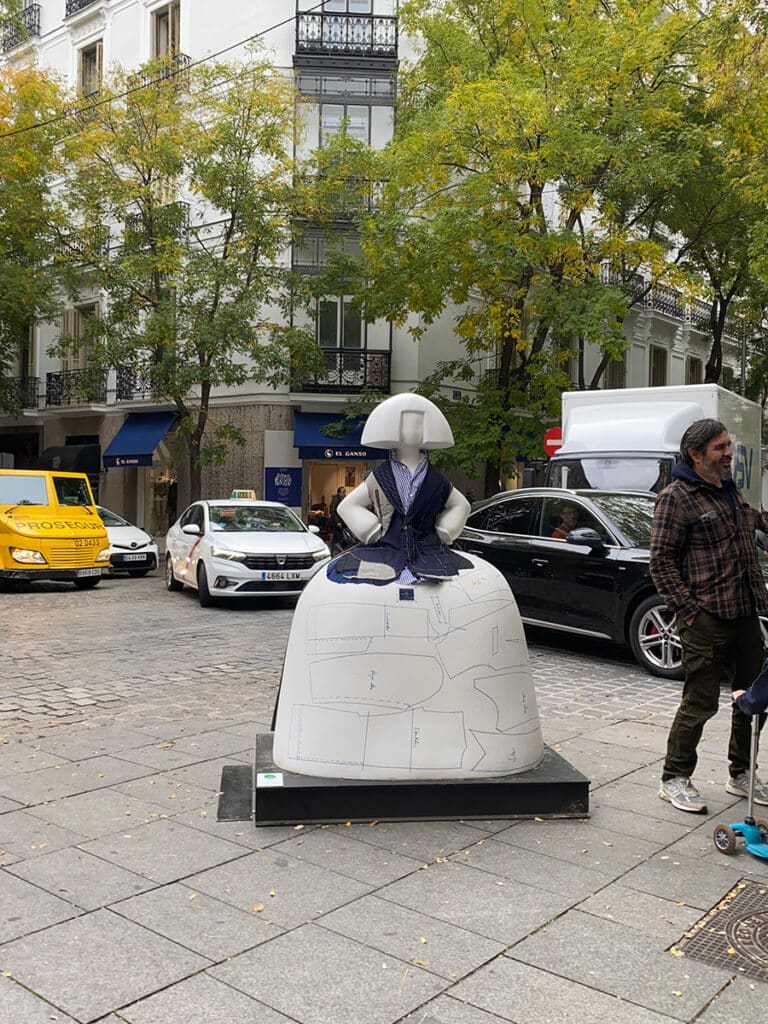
(195, 472)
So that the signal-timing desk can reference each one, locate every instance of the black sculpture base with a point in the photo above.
(555, 789)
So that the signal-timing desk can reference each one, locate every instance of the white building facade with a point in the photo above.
(344, 55)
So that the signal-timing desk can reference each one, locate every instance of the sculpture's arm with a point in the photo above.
(356, 513)
(451, 520)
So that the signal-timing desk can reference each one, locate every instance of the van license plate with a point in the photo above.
(79, 573)
(134, 558)
(281, 575)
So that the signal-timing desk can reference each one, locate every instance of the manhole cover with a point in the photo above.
(734, 933)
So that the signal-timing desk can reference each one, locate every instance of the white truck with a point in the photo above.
(629, 438)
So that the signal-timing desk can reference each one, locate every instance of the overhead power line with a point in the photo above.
(146, 85)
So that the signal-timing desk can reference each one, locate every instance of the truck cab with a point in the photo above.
(50, 529)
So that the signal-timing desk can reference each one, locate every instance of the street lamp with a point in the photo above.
(756, 338)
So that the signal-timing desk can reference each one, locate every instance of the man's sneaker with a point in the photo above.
(738, 785)
(682, 794)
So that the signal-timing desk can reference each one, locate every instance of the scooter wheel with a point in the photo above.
(725, 838)
(762, 825)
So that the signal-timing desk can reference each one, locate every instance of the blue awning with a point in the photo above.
(135, 442)
(312, 443)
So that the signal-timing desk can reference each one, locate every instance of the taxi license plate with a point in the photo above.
(79, 573)
(134, 558)
(281, 575)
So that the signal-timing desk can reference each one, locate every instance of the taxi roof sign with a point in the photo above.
(243, 494)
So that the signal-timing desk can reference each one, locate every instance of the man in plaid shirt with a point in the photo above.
(704, 565)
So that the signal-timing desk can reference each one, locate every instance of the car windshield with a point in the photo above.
(250, 519)
(19, 489)
(72, 490)
(109, 518)
(632, 513)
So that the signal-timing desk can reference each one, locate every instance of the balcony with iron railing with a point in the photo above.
(349, 371)
(354, 35)
(169, 222)
(24, 25)
(133, 383)
(75, 387)
(24, 392)
(84, 246)
(168, 66)
(75, 6)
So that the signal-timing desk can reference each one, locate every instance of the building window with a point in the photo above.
(347, 6)
(89, 69)
(332, 115)
(694, 370)
(657, 376)
(616, 373)
(165, 30)
(74, 324)
(338, 324)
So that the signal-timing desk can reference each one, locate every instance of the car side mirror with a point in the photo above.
(313, 529)
(586, 536)
(191, 529)
(761, 539)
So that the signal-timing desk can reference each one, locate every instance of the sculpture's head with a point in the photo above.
(407, 420)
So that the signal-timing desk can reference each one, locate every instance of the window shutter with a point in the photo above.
(174, 27)
(68, 330)
(99, 63)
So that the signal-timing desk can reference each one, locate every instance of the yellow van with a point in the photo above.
(50, 529)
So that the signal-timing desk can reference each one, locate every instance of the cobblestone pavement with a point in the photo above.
(128, 647)
(123, 900)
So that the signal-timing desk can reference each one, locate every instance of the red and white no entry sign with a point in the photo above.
(553, 440)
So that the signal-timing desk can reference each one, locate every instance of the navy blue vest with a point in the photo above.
(411, 540)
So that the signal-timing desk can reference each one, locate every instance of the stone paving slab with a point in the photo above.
(92, 742)
(199, 1000)
(163, 851)
(436, 946)
(18, 757)
(524, 994)
(446, 1010)
(623, 962)
(23, 1007)
(96, 964)
(289, 891)
(97, 813)
(26, 908)
(198, 922)
(46, 784)
(736, 1003)
(477, 901)
(171, 794)
(651, 915)
(23, 836)
(536, 868)
(411, 839)
(315, 977)
(684, 880)
(599, 852)
(331, 849)
(74, 875)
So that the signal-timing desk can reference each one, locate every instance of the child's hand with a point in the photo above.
(737, 693)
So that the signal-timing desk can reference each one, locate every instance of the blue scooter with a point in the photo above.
(754, 831)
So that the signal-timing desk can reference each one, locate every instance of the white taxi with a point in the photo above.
(237, 547)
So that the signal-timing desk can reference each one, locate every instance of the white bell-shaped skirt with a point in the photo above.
(425, 681)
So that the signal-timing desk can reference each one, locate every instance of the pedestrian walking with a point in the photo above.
(337, 523)
(704, 565)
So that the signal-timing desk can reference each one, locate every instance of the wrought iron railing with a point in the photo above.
(132, 383)
(663, 299)
(24, 25)
(164, 222)
(699, 314)
(366, 34)
(633, 284)
(24, 392)
(350, 370)
(84, 246)
(75, 387)
(73, 6)
(173, 65)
